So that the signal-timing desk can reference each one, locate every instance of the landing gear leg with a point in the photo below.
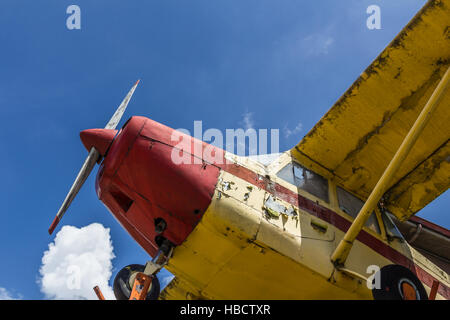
(138, 282)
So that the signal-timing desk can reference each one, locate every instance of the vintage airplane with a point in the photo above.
(313, 224)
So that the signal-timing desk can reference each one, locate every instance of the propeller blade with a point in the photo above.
(112, 124)
(85, 170)
(89, 163)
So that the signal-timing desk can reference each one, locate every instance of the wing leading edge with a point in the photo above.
(355, 140)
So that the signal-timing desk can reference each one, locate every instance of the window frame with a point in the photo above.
(299, 190)
(390, 238)
(333, 201)
(381, 235)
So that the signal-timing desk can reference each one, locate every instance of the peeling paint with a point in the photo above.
(275, 208)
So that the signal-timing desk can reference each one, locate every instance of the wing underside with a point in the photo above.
(359, 135)
(178, 289)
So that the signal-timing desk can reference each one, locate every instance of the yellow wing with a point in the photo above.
(178, 289)
(358, 136)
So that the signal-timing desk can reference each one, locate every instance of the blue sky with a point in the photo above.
(281, 63)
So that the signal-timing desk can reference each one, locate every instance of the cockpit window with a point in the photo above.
(305, 179)
(391, 228)
(351, 205)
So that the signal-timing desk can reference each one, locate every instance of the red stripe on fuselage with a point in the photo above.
(333, 218)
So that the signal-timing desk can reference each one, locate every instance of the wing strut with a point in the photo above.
(342, 251)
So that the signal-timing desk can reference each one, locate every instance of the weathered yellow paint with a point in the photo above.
(355, 140)
(340, 254)
(418, 188)
(239, 251)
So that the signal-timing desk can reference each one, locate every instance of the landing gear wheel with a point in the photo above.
(399, 283)
(123, 283)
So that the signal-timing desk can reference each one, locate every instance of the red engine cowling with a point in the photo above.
(141, 185)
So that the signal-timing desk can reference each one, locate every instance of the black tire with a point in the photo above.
(392, 277)
(122, 288)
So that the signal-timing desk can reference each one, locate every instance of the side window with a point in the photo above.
(351, 206)
(391, 228)
(305, 179)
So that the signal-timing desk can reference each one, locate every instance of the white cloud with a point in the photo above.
(288, 132)
(6, 295)
(248, 123)
(248, 120)
(78, 260)
(297, 44)
(317, 44)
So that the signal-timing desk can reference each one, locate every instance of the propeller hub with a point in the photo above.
(101, 139)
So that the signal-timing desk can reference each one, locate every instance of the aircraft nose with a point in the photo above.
(154, 196)
(98, 138)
